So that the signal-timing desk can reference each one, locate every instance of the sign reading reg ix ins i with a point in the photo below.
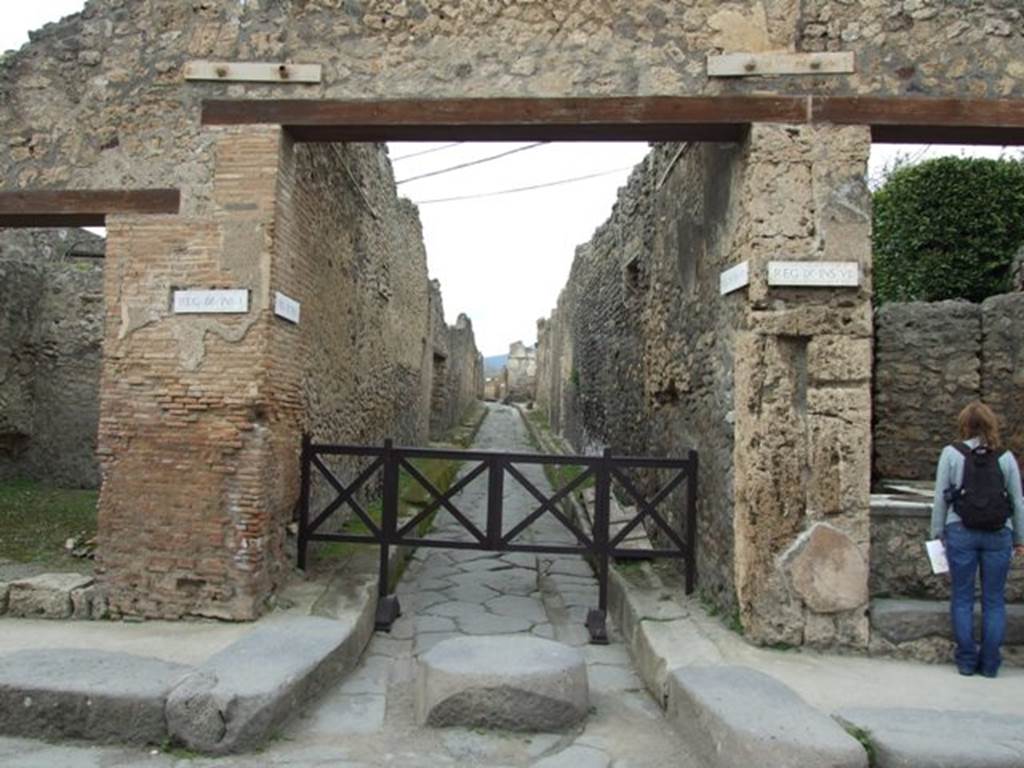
(814, 274)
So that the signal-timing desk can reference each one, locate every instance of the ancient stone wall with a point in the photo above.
(931, 359)
(637, 356)
(98, 100)
(51, 326)
(770, 385)
(520, 373)
(457, 368)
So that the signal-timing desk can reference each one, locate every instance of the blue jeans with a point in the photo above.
(967, 550)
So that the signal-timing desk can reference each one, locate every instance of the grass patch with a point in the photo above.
(36, 520)
(864, 737)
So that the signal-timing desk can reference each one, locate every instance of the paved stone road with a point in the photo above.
(369, 719)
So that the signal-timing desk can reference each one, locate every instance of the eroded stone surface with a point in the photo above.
(86, 694)
(736, 716)
(936, 739)
(516, 683)
(45, 597)
(828, 571)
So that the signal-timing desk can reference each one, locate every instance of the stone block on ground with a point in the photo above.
(827, 570)
(47, 596)
(902, 621)
(85, 694)
(517, 683)
(937, 739)
(736, 717)
(237, 698)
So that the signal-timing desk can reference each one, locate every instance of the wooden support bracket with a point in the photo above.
(754, 64)
(253, 72)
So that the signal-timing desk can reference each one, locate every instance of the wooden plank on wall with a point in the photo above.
(81, 207)
(253, 72)
(755, 64)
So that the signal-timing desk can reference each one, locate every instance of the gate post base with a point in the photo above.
(388, 610)
(597, 627)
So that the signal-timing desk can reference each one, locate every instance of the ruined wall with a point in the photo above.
(457, 368)
(98, 100)
(638, 354)
(51, 326)
(519, 376)
(205, 535)
(931, 359)
(771, 385)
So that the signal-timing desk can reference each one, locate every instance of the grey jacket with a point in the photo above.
(950, 474)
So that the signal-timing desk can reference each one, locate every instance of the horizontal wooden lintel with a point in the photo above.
(81, 207)
(656, 118)
(721, 118)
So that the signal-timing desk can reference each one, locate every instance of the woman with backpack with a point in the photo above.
(979, 515)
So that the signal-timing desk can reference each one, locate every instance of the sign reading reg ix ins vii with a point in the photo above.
(814, 274)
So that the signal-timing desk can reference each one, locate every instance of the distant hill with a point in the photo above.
(494, 364)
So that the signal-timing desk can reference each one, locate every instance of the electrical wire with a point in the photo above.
(427, 151)
(524, 189)
(460, 166)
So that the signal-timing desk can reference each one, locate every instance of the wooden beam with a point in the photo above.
(658, 118)
(924, 120)
(81, 207)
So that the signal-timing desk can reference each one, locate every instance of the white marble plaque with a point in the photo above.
(814, 274)
(231, 301)
(734, 278)
(287, 307)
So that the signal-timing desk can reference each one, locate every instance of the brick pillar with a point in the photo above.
(191, 521)
(802, 391)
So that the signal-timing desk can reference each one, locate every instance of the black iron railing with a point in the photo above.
(599, 544)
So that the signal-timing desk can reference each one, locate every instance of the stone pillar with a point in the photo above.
(192, 510)
(803, 393)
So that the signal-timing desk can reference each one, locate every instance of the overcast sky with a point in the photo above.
(503, 259)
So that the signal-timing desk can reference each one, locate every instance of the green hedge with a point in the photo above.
(948, 229)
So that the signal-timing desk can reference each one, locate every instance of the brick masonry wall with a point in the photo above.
(457, 367)
(931, 359)
(203, 414)
(50, 332)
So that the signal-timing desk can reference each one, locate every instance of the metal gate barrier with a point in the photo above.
(599, 545)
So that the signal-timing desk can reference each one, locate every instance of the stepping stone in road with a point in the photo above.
(518, 683)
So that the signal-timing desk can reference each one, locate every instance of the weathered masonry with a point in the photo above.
(207, 180)
(51, 326)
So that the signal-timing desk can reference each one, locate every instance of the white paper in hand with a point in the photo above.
(937, 556)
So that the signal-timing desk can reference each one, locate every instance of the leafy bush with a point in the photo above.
(948, 229)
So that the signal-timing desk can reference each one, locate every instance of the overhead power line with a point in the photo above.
(460, 166)
(428, 151)
(524, 189)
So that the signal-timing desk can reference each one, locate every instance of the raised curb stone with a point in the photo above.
(47, 596)
(736, 717)
(937, 739)
(901, 621)
(85, 694)
(519, 683)
(237, 698)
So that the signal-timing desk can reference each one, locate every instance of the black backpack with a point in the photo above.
(981, 501)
